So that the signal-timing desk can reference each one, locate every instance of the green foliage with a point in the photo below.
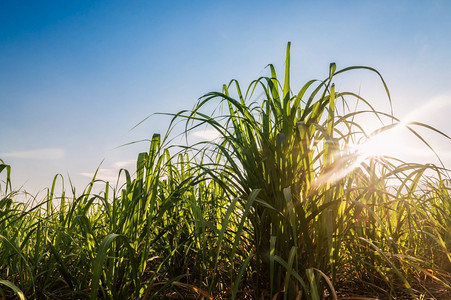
(281, 206)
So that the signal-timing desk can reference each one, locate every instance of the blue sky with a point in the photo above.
(76, 76)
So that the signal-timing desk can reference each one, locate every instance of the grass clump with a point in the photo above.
(282, 205)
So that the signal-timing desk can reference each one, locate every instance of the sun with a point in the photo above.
(393, 142)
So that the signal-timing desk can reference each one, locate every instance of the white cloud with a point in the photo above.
(125, 164)
(207, 134)
(103, 174)
(46, 153)
(111, 174)
(429, 109)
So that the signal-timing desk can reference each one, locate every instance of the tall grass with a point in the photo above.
(281, 206)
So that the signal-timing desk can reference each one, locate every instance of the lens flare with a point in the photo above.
(395, 140)
(390, 142)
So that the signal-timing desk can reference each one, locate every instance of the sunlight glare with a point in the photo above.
(394, 142)
(398, 141)
(387, 143)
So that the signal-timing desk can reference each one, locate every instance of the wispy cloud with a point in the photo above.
(111, 174)
(125, 164)
(207, 134)
(46, 153)
(103, 174)
(429, 109)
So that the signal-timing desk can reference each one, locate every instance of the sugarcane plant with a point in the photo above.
(283, 204)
